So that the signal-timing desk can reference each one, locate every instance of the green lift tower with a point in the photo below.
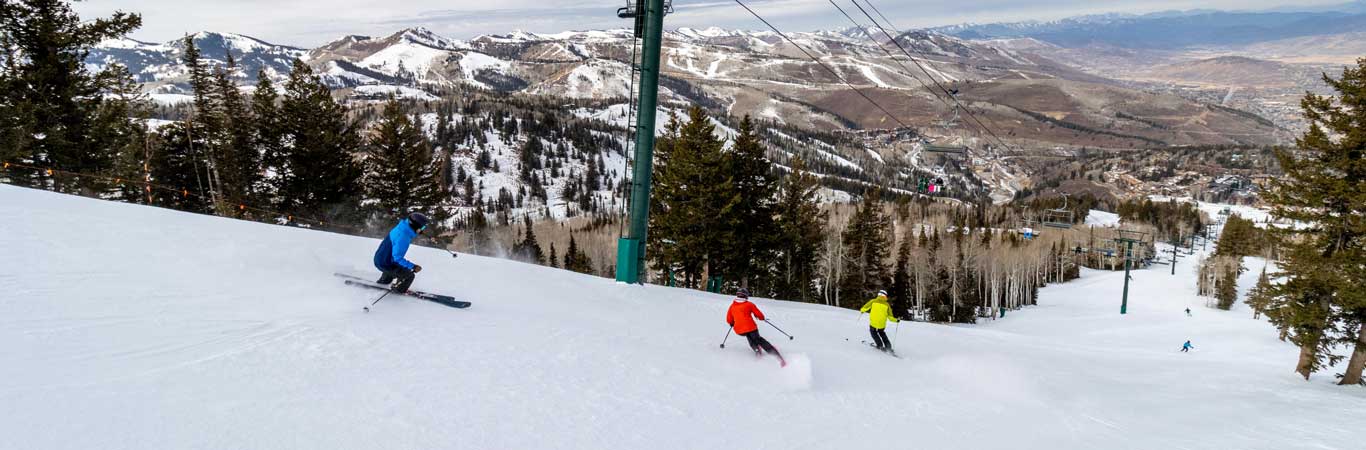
(649, 15)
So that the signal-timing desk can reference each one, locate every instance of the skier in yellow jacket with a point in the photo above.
(879, 312)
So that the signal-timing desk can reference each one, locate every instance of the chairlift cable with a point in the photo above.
(822, 64)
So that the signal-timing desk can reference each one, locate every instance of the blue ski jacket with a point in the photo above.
(391, 251)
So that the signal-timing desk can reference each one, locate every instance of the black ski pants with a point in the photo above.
(757, 342)
(880, 338)
(402, 274)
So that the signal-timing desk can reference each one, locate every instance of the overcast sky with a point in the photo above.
(308, 23)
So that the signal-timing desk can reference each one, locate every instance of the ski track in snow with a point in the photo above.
(130, 327)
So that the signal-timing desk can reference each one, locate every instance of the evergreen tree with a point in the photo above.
(593, 177)
(576, 260)
(801, 230)
(174, 162)
(1260, 296)
(1240, 237)
(15, 117)
(267, 141)
(1320, 302)
(203, 119)
(900, 292)
(1226, 291)
(239, 162)
(129, 140)
(749, 219)
(467, 189)
(529, 155)
(319, 174)
(400, 172)
(53, 98)
(865, 244)
(554, 257)
(529, 249)
(690, 200)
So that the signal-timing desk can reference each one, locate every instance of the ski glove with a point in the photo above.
(417, 268)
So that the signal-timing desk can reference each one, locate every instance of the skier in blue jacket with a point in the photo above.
(389, 257)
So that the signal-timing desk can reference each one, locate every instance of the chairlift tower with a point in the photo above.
(649, 27)
(1128, 238)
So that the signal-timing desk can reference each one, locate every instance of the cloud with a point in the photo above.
(312, 22)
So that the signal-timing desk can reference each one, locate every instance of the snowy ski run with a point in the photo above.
(132, 327)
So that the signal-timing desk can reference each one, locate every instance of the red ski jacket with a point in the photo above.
(738, 316)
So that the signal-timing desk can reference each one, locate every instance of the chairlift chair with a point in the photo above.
(944, 146)
(1061, 217)
(635, 9)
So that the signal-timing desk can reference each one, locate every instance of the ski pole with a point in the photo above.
(381, 297)
(723, 340)
(780, 330)
(897, 333)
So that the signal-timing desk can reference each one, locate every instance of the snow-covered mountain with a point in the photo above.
(1032, 102)
(161, 70)
(133, 327)
(737, 71)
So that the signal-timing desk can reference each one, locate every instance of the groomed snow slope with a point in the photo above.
(129, 327)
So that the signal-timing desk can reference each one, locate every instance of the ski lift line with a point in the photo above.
(922, 68)
(946, 92)
(888, 52)
(822, 64)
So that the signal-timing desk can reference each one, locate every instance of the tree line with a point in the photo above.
(723, 216)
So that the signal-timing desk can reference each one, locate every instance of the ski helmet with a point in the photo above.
(418, 220)
(742, 293)
(881, 293)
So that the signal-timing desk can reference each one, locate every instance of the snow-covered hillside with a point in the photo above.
(129, 327)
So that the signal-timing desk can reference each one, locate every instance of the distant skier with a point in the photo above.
(741, 317)
(879, 312)
(390, 256)
(1186, 347)
(1188, 312)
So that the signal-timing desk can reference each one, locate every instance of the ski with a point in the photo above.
(891, 353)
(435, 298)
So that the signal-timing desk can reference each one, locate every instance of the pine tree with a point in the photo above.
(1260, 296)
(576, 260)
(267, 140)
(1319, 304)
(749, 219)
(901, 278)
(129, 140)
(1227, 288)
(529, 249)
(15, 117)
(865, 245)
(203, 120)
(173, 163)
(53, 98)
(554, 257)
(593, 177)
(529, 157)
(690, 200)
(400, 174)
(239, 162)
(319, 175)
(801, 230)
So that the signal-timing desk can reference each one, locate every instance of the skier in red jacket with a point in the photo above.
(741, 317)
